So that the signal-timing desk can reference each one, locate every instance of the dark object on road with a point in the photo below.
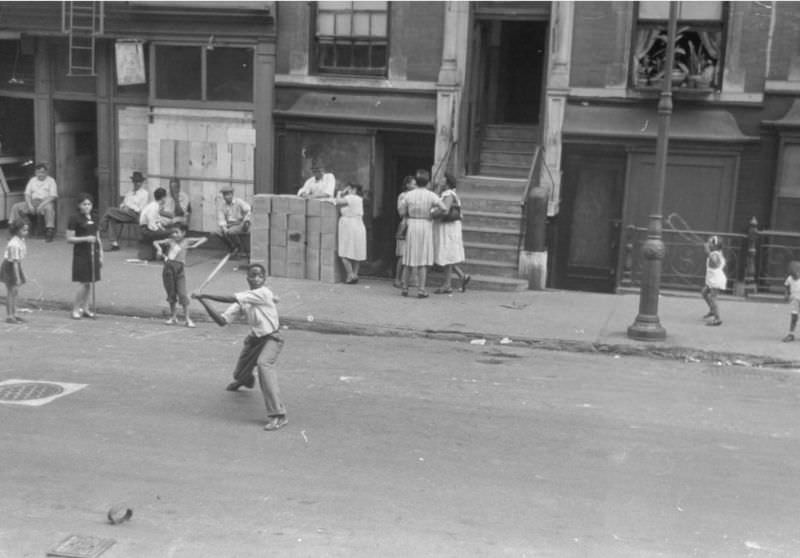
(119, 514)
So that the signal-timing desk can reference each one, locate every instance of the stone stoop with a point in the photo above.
(492, 213)
(507, 150)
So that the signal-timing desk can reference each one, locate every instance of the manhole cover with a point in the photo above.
(25, 391)
(34, 392)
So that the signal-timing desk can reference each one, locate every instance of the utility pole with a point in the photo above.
(647, 326)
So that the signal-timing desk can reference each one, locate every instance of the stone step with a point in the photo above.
(492, 186)
(510, 205)
(509, 144)
(496, 131)
(493, 283)
(514, 159)
(492, 268)
(507, 171)
(505, 221)
(488, 235)
(491, 252)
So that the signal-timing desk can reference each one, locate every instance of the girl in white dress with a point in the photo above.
(448, 242)
(352, 233)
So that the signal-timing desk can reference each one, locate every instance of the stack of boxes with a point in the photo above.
(296, 238)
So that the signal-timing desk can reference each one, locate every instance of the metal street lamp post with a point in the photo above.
(647, 326)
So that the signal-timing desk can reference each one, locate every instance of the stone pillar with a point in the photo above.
(106, 137)
(561, 32)
(450, 85)
(264, 75)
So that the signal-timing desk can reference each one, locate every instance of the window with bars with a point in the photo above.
(698, 45)
(352, 37)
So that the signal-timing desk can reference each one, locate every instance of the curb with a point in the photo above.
(332, 327)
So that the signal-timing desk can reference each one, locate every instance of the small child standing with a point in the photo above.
(400, 235)
(715, 279)
(11, 269)
(173, 250)
(792, 285)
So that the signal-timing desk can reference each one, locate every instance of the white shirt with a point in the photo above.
(794, 286)
(135, 199)
(313, 187)
(259, 308)
(41, 189)
(15, 249)
(183, 203)
(233, 213)
(715, 276)
(151, 216)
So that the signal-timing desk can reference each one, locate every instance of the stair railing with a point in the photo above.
(533, 174)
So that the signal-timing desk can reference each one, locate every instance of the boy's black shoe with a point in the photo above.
(49, 234)
(788, 338)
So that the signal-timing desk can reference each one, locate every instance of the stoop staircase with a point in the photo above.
(492, 207)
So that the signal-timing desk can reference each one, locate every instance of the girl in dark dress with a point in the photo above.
(82, 234)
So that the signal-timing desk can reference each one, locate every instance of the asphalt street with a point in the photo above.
(395, 447)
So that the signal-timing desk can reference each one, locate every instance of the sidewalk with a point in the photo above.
(565, 320)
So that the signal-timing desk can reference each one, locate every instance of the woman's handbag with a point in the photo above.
(452, 214)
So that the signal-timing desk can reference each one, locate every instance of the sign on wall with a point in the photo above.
(130, 62)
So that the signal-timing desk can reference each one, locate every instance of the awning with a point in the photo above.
(789, 120)
(641, 123)
(406, 110)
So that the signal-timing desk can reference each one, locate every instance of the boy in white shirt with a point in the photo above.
(261, 347)
(715, 279)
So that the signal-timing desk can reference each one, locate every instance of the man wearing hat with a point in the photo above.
(128, 211)
(321, 185)
(233, 218)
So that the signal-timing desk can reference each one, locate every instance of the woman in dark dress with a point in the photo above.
(86, 246)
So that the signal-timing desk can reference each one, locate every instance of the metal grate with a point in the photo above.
(29, 390)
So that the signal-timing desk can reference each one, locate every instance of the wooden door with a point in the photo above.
(588, 243)
(76, 165)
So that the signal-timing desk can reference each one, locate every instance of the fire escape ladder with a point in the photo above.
(82, 22)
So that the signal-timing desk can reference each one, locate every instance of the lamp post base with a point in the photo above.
(647, 328)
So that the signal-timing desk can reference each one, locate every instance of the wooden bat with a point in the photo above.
(214, 271)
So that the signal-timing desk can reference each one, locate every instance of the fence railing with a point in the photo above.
(756, 262)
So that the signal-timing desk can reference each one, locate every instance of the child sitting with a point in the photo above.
(792, 285)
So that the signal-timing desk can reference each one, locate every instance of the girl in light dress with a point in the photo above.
(11, 269)
(448, 242)
(352, 233)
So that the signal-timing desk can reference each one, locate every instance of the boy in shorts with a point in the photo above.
(173, 250)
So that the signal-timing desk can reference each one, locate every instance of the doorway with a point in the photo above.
(507, 79)
(75, 130)
(588, 243)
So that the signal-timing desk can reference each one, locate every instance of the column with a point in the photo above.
(264, 76)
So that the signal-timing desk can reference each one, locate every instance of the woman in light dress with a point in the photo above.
(416, 206)
(448, 242)
(352, 233)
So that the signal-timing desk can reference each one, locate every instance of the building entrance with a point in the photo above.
(76, 153)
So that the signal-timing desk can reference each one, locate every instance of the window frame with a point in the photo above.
(203, 102)
(721, 26)
(351, 40)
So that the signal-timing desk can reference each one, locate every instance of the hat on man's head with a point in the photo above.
(137, 177)
(227, 188)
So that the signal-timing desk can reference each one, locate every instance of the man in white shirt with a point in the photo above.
(127, 212)
(153, 225)
(233, 219)
(41, 193)
(321, 185)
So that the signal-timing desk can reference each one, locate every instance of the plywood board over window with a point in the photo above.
(206, 150)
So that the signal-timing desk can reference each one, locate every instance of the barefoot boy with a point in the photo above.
(173, 250)
(261, 347)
